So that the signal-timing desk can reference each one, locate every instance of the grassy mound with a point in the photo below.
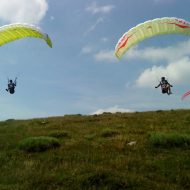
(169, 140)
(38, 144)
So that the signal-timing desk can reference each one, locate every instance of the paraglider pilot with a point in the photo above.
(165, 86)
(11, 86)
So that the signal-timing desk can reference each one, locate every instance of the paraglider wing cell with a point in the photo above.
(185, 95)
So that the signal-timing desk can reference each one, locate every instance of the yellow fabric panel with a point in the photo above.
(149, 29)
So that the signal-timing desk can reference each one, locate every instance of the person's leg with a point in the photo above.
(164, 90)
(168, 89)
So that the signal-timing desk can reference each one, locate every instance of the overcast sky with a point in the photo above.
(80, 74)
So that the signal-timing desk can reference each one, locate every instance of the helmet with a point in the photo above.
(11, 81)
(163, 78)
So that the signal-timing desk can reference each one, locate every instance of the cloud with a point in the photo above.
(23, 11)
(93, 27)
(94, 8)
(151, 54)
(113, 109)
(156, 54)
(177, 72)
(104, 39)
(86, 50)
(177, 67)
(106, 56)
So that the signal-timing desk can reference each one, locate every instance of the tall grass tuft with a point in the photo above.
(109, 133)
(103, 180)
(169, 140)
(38, 144)
(59, 134)
(90, 136)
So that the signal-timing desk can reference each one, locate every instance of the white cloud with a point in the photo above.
(151, 54)
(177, 72)
(105, 55)
(94, 8)
(156, 54)
(177, 66)
(23, 11)
(93, 27)
(113, 109)
(104, 40)
(86, 50)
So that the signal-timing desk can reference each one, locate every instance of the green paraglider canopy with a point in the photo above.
(11, 32)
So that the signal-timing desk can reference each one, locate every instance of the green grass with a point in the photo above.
(109, 133)
(92, 152)
(59, 134)
(38, 144)
(170, 140)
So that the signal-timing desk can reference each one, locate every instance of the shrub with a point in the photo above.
(158, 111)
(38, 144)
(10, 120)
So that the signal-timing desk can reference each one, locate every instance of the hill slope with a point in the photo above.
(147, 150)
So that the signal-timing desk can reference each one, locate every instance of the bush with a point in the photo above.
(169, 140)
(10, 120)
(159, 111)
(38, 144)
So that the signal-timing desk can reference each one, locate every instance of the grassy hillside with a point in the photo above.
(148, 150)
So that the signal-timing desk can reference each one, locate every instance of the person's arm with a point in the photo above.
(158, 85)
(15, 81)
(170, 84)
